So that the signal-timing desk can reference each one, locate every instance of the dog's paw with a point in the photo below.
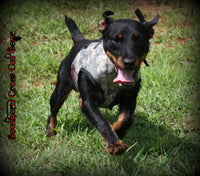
(117, 148)
(51, 124)
(50, 132)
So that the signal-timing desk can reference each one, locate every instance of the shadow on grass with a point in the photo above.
(158, 149)
(153, 149)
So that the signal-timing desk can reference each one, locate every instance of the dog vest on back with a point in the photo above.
(96, 62)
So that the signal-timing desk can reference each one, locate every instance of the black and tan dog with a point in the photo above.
(106, 72)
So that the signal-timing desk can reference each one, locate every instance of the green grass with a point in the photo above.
(164, 139)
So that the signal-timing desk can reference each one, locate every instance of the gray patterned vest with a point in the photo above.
(96, 62)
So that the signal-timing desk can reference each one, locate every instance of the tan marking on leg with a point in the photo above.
(104, 136)
(52, 123)
(51, 126)
(117, 148)
(117, 125)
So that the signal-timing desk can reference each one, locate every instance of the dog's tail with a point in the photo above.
(74, 30)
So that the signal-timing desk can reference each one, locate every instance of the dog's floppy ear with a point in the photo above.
(103, 24)
(148, 24)
(151, 23)
(154, 21)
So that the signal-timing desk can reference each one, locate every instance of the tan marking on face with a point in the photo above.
(111, 57)
(120, 36)
(138, 61)
(117, 61)
(143, 57)
(120, 63)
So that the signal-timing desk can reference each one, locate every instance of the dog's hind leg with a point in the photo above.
(63, 87)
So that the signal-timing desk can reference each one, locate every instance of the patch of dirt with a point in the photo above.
(151, 7)
(39, 42)
(182, 40)
(37, 84)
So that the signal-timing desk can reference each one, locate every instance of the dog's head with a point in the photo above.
(126, 42)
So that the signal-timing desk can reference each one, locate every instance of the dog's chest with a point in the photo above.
(95, 61)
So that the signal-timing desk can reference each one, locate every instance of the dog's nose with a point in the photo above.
(128, 62)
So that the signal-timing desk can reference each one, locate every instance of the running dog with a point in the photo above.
(106, 72)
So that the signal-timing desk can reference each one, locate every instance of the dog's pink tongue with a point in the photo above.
(123, 76)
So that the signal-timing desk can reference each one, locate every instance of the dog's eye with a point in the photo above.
(138, 38)
(116, 39)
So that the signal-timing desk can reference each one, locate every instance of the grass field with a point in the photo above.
(164, 139)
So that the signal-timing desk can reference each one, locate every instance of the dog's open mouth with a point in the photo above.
(124, 77)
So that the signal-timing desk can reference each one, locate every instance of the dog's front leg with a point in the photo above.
(92, 96)
(124, 121)
(126, 109)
